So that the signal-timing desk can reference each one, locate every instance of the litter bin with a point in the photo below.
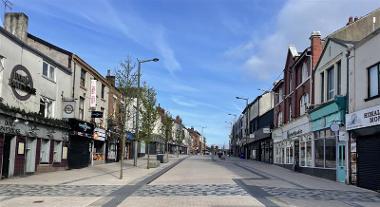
(160, 157)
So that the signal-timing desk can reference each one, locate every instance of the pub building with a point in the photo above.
(33, 136)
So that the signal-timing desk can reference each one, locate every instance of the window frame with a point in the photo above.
(49, 72)
(369, 97)
(330, 77)
(83, 74)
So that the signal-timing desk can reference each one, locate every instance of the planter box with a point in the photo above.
(162, 158)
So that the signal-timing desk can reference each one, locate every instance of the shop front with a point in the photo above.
(292, 145)
(364, 128)
(330, 140)
(28, 146)
(99, 146)
(80, 147)
(260, 145)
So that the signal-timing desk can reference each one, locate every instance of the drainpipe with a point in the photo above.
(348, 54)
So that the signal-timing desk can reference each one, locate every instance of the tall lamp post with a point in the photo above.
(138, 104)
(247, 125)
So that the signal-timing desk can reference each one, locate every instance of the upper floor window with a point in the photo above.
(48, 71)
(46, 107)
(305, 72)
(279, 119)
(103, 89)
(330, 83)
(280, 95)
(83, 78)
(81, 108)
(304, 103)
(373, 81)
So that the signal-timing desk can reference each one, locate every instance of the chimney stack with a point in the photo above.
(316, 47)
(110, 78)
(17, 24)
(350, 20)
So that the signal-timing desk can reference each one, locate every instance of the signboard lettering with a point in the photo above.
(363, 118)
(21, 83)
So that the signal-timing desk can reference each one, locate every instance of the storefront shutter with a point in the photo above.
(368, 149)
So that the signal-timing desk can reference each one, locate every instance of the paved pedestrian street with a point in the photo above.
(185, 181)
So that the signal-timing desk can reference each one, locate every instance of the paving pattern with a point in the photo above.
(321, 194)
(57, 190)
(191, 190)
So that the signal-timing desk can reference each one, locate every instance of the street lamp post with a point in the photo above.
(138, 104)
(247, 125)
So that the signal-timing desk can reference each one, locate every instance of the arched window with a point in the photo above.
(304, 103)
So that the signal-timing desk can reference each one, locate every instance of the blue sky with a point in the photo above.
(210, 50)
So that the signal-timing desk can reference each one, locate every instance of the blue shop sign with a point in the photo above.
(130, 136)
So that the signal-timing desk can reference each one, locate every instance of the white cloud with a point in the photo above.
(295, 22)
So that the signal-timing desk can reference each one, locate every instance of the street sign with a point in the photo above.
(96, 114)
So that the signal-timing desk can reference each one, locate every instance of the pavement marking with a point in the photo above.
(191, 190)
(122, 193)
(261, 173)
(258, 194)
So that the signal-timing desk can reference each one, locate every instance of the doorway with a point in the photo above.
(6, 157)
(341, 167)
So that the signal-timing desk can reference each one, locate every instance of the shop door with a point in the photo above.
(6, 157)
(341, 167)
(368, 149)
(31, 155)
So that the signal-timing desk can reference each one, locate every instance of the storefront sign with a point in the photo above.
(21, 83)
(363, 118)
(68, 109)
(96, 114)
(7, 127)
(93, 94)
(294, 133)
(99, 134)
(81, 128)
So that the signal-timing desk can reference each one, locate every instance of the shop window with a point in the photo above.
(46, 107)
(57, 151)
(81, 108)
(83, 78)
(330, 83)
(45, 151)
(325, 149)
(373, 81)
(305, 154)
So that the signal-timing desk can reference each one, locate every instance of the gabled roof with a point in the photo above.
(367, 38)
(31, 49)
(338, 41)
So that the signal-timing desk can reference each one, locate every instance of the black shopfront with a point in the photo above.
(80, 138)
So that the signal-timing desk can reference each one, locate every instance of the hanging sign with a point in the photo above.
(93, 94)
(68, 109)
(21, 83)
(96, 114)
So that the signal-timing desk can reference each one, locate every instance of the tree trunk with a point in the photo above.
(135, 143)
(177, 151)
(167, 150)
(122, 155)
(147, 166)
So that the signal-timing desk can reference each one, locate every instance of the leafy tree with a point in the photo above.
(180, 136)
(125, 79)
(167, 130)
(149, 115)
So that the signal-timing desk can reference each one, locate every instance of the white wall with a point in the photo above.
(333, 53)
(364, 56)
(14, 55)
